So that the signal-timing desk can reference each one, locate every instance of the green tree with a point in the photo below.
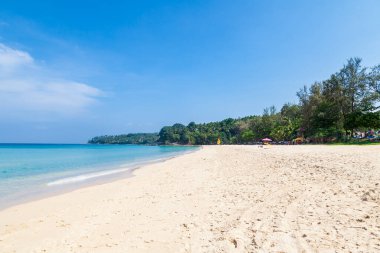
(247, 136)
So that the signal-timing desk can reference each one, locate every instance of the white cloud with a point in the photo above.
(27, 88)
(11, 58)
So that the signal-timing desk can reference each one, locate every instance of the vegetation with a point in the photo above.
(140, 138)
(331, 110)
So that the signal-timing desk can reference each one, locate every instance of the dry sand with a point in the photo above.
(218, 199)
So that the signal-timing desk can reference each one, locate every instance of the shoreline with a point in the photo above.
(217, 199)
(125, 171)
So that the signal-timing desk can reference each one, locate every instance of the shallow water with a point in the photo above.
(29, 170)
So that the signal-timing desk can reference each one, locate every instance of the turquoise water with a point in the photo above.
(30, 170)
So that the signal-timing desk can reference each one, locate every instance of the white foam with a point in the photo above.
(87, 176)
(84, 177)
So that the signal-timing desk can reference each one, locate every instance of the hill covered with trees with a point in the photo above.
(139, 138)
(332, 109)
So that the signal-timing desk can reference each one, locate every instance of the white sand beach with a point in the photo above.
(217, 199)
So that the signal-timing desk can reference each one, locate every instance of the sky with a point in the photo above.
(71, 70)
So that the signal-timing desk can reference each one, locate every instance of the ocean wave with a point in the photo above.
(84, 177)
(91, 175)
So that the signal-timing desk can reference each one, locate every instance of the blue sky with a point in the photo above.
(70, 70)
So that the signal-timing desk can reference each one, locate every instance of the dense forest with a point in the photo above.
(330, 110)
(139, 138)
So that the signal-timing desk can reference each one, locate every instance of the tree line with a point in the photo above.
(330, 110)
(139, 138)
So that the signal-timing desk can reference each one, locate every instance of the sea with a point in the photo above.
(33, 171)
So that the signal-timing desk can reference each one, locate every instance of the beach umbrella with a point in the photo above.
(266, 140)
